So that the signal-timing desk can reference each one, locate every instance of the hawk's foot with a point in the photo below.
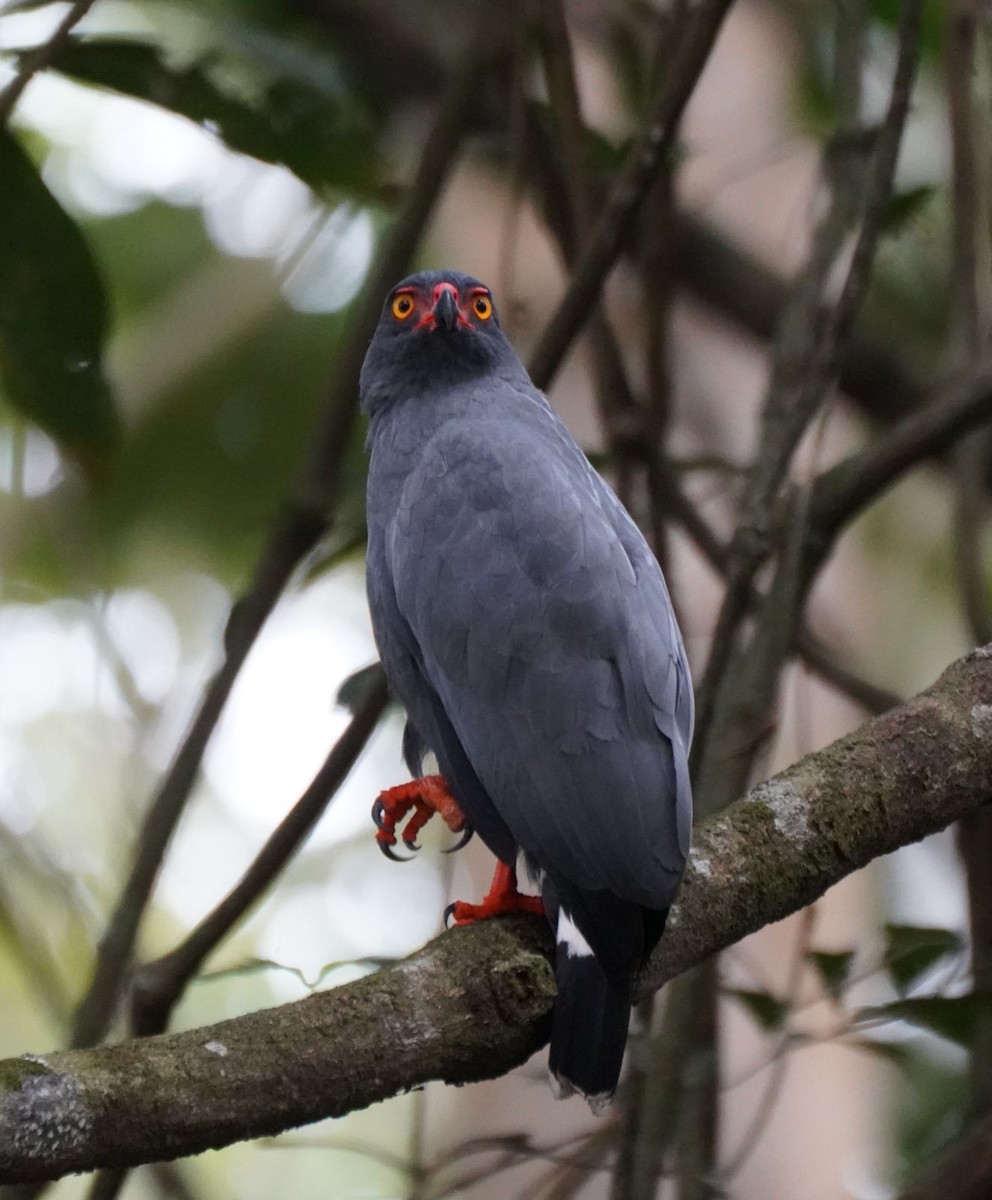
(501, 899)
(423, 798)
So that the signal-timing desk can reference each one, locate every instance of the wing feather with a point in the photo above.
(546, 634)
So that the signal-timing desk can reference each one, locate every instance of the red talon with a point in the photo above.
(423, 797)
(501, 899)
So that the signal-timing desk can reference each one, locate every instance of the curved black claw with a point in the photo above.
(379, 816)
(410, 844)
(462, 842)
(388, 851)
(447, 914)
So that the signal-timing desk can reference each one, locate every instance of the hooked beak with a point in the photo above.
(446, 309)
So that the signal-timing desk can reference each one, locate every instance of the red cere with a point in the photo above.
(444, 287)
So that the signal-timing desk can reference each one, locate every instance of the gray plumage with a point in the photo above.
(525, 626)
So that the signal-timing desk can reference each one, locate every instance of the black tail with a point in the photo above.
(588, 1030)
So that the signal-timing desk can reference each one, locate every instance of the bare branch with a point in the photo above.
(474, 1002)
(41, 58)
(734, 284)
(874, 699)
(635, 180)
(848, 488)
(807, 352)
(158, 985)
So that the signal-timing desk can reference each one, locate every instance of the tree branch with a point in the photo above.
(804, 368)
(158, 985)
(631, 188)
(473, 1003)
(41, 57)
(844, 491)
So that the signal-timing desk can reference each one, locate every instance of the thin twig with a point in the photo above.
(873, 698)
(572, 224)
(106, 1185)
(969, 301)
(808, 351)
(172, 1182)
(844, 491)
(573, 1172)
(697, 1118)
(742, 290)
(737, 693)
(659, 1103)
(971, 524)
(780, 1059)
(628, 193)
(967, 335)
(159, 985)
(41, 57)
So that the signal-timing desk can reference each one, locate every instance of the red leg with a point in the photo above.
(423, 797)
(502, 898)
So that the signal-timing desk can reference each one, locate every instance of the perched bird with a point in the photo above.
(526, 628)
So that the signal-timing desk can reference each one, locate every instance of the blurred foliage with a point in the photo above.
(305, 118)
(929, 1109)
(53, 316)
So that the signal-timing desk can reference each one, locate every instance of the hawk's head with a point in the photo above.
(437, 328)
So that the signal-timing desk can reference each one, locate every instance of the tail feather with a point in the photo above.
(588, 1029)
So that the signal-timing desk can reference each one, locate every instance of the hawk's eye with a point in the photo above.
(482, 306)
(402, 306)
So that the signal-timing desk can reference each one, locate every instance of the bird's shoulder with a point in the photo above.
(497, 494)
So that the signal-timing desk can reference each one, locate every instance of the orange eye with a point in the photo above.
(402, 306)
(482, 306)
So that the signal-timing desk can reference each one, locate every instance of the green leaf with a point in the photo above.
(834, 969)
(932, 32)
(899, 1054)
(319, 133)
(904, 206)
(912, 950)
(952, 1017)
(766, 1009)
(53, 316)
(817, 108)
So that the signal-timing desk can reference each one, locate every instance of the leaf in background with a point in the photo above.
(911, 950)
(899, 1054)
(320, 134)
(904, 206)
(932, 32)
(53, 317)
(834, 969)
(952, 1017)
(767, 1010)
(815, 102)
